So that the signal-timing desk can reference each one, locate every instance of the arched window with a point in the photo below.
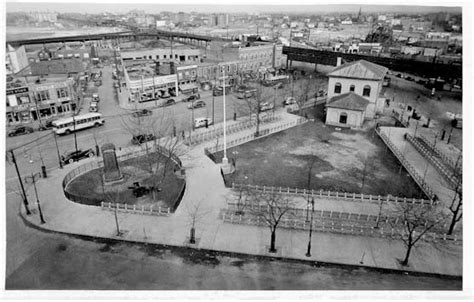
(352, 88)
(343, 118)
(337, 88)
(366, 91)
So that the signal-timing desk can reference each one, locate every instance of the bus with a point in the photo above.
(82, 121)
(275, 80)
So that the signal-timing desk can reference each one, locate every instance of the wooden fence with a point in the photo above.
(332, 194)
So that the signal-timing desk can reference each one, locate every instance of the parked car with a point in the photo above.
(201, 122)
(192, 98)
(142, 138)
(197, 104)
(73, 156)
(19, 130)
(142, 112)
(266, 106)
(94, 107)
(116, 85)
(98, 83)
(95, 97)
(289, 101)
(169, 102)
(46, 125)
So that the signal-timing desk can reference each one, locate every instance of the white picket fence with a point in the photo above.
(134, 209)
(332, 194)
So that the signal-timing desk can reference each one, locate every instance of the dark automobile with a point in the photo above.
(197, 104)
(98, 83)
(20, 130)
(142, 138)
(143, 112)
(46, 126)
(169, 102)
(73, 156)
(192, 98)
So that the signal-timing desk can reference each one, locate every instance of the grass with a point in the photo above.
(340, 161)
(136, 169)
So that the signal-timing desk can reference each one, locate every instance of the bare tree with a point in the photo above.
(456, 206)
(254, 105)
(195, 214)
(113, 195)
(270, 207)
(416, 222)
(302, 99)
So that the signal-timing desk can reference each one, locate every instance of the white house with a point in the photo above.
(364, 80)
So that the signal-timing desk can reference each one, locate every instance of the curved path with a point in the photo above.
(205, 187)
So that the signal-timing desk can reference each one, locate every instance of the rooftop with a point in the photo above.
(349, 101)
(63, 66)
(359, 70)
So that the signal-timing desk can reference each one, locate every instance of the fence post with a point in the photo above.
(169, 210)
(143, 209)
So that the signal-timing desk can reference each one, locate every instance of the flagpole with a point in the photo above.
(224, 159)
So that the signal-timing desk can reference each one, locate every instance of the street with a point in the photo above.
(62, 262)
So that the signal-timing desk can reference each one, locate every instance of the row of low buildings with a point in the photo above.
(153, 73)
(40, 89)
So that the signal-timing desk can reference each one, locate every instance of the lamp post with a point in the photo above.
(57, 149)
(308, 252)
(33, 178)
(25, 200)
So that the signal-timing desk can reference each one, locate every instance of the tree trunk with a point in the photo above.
(272, 242)
(453, 224)
(407, 255)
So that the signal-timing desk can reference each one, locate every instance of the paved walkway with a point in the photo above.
(205, 189)
(422, 166)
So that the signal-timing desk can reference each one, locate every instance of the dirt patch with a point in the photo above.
(344, 161)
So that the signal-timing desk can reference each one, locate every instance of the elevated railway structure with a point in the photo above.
(135, 34)
(415, 67)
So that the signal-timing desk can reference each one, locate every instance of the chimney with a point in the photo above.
(157, 67)
(339, 61)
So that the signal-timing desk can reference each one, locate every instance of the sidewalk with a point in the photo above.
(205, 187)
(422, 166)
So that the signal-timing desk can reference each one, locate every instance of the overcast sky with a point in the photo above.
(300, 6)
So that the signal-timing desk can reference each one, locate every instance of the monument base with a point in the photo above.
(113, 180)
(227, 168)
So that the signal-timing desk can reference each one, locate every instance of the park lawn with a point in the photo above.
(340, 161)
(134, 170)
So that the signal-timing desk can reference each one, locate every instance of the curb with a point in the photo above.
(314, 263)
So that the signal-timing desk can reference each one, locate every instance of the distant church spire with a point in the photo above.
(358, 15)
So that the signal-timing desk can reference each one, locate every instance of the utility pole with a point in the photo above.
(25, 200)
(33, 179)
(57, 149)
(308, 252)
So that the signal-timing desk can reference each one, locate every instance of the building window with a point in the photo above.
(62, 92)
(337, 88)
(164, 56)
(42, 95)
(343, 118)
(352, 88)
(366, 91)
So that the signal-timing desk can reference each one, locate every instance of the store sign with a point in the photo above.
(17, 90)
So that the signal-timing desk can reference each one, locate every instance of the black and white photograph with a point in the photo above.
(297, 150)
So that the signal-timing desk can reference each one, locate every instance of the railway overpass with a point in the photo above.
(187, 38)
(420, 68)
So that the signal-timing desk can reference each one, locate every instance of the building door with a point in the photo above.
(343, 118)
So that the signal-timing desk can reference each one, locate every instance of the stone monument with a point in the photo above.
(112, 172)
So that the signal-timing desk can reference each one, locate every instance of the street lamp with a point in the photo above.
(308, 252)
(25, 200)
(33, 178)
(57, 149)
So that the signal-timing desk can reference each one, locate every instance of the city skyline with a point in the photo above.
(228, 8)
